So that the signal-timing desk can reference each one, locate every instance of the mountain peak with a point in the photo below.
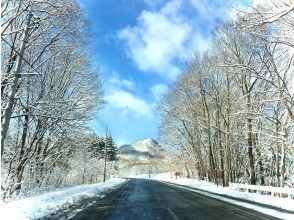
(146, 141)
(144, 148)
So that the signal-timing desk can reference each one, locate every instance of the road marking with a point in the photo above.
(173, 215)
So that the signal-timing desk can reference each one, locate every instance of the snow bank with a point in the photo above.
(283, 203)
(42, 205)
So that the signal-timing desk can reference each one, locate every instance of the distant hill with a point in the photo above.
(141, 151)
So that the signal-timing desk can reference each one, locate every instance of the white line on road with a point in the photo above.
(173, 215)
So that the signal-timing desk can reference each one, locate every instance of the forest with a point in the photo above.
(49, 93)
(230, 115)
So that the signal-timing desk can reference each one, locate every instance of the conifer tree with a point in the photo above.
(105, 148)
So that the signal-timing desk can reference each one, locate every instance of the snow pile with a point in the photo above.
(283, 203)
(42, 205)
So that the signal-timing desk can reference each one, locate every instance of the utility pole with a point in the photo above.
(149, 164)
(105, 154)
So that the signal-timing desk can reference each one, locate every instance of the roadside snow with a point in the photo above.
(283, 203)
(42, 205)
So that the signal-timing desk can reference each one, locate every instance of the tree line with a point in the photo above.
(230, 115)
(49, 93)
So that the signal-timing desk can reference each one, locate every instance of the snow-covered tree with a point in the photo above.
(49, 90)
(230, 114)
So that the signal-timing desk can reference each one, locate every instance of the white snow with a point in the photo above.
(139, 152)
(42, 205)
(284, 203)
(144, 145)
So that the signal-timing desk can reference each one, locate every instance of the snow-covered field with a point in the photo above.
(47, 203)
(283, 203)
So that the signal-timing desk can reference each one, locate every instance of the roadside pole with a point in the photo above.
(149, 164)
(105, 155)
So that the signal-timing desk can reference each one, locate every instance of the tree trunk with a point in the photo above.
(5, 121)
(250, 154)
(246, 93)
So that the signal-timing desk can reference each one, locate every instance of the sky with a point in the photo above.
(141, 47)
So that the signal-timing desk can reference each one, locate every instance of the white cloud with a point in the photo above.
(172, 8)
(157, 40)
(200, 43)
(119, 94)
(201, 6)
(158, 91)
(118, 82)
(163, 39)
(129, 103)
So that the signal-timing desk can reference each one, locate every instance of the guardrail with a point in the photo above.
(268, 190)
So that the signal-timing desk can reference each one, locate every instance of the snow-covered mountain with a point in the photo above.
(141, 151)
(141, 157)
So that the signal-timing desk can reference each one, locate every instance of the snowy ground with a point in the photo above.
(283, 203)
(47, 203)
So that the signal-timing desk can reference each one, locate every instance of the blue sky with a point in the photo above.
(140, 48)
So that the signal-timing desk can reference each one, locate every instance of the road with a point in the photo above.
(146, 199)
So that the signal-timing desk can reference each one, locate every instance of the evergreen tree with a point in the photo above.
(104, 148)
(111, 149)
(98, 148)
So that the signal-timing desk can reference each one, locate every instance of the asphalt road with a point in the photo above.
(146, 199)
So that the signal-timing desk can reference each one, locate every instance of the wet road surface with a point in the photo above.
(147, 199)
